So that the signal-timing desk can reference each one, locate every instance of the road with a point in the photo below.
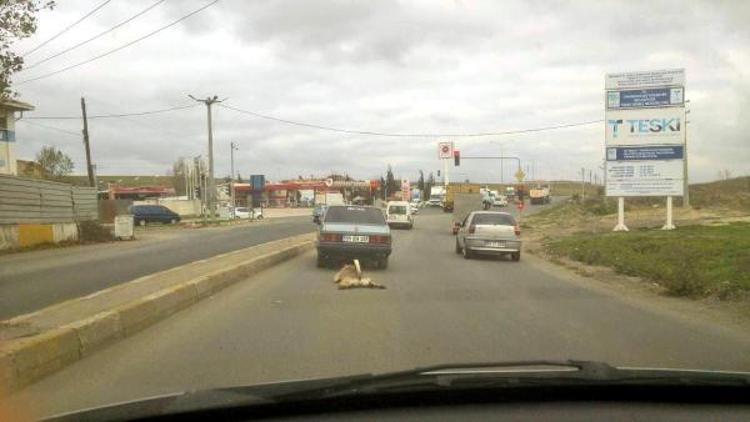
(290, 322)
(33, 280)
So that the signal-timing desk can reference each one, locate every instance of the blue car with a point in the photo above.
(143, 214)
(353, 232)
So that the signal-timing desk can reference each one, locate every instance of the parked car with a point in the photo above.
(398, 214)
(318, 212)
(143, 214)
(489, 232)
(353, 231)
(241, 213)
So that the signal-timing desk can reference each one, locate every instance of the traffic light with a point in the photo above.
(438, 173)
(456, 158)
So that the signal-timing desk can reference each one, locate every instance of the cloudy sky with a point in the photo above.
(409, 67)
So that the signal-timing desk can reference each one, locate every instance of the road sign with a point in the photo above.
(445, 149)
(519, 175)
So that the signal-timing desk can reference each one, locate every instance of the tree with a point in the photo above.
(54, 162)
(420, 183)
(17, 21)
(178, 177)
(239, 178)
(428, 186)
(390, 182)
(382, 187)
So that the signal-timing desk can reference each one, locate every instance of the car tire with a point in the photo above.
(467, 253)
(173, 221)
(321, 261)
(515, 256)
(383, 263)
(458, 247)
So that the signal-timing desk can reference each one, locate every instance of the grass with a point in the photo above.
(691, 261)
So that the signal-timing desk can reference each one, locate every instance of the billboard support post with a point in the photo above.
(669, 225)
(620, 227)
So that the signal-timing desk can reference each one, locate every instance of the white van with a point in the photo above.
(398, 214)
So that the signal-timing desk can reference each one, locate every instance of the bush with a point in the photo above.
(92, 231)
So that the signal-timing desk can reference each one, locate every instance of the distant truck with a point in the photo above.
(539, 195)
(329, 198)
(437, 196)
(455, 188)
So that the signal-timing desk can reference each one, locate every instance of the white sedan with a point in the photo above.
(500, 201)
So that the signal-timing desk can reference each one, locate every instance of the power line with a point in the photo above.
(110, 116)
(101, 34)
(69, 132)
(46, 75)
(66, 29)
(410, 135)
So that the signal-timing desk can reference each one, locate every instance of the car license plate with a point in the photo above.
(496, 244)
(356, 239)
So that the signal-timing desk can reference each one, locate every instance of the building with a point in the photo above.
(8, 109)
(30, 169)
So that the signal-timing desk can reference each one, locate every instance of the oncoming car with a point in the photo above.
(489, 232)
(349, 232)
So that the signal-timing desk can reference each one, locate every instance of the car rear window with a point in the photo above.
(493, 220)
(354, 215)
(240, 209)
(397, 209)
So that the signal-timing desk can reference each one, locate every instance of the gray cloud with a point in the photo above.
(395, 66)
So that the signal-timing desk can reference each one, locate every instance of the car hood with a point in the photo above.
(365, 229)
(437, 379)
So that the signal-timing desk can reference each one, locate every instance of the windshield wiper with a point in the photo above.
(518, 374)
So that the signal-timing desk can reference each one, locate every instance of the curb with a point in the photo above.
(26, 360)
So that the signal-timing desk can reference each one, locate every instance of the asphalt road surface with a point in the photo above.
(33, 280)
(290, 322)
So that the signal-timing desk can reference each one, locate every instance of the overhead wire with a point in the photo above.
(128, 44)
(97, 36)
(410, 135)
(66, 29)
(108, 116)
(69, 132)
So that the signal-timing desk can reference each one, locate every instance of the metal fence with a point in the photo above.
(33, 201)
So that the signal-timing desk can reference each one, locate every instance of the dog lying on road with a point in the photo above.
(350, 277)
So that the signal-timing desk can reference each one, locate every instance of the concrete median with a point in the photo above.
(57, 336)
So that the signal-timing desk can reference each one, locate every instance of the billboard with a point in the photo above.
(640, 98)
(661, 126)
(652, 78)
(645, 178)
(405, 190)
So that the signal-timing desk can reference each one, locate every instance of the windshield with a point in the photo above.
(493, 220)
(397, 209)
(181, 183)
(354, 215)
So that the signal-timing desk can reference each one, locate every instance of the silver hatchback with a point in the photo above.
(489, 232)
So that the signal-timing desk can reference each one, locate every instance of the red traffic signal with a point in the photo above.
(456, 157)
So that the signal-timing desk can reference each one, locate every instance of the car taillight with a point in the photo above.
(472, 229)
(380, 239)
(330, 237)
(518, 230)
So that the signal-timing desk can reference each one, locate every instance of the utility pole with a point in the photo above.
(232, 147)
(211, 183)
(583, 184)
(686, 187)
(89, 169)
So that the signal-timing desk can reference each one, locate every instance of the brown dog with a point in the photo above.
(350, 277)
